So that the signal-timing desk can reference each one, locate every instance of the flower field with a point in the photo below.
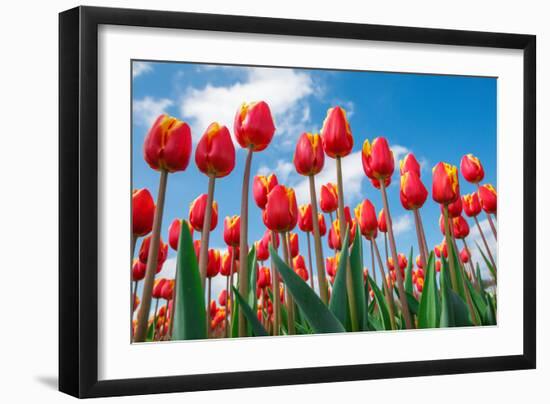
(363, 282)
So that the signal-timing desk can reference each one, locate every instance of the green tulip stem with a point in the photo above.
(385, 283)
(400, 286)
(276, 293)
(420, 236)
(205, 234)
(319, 259)
(230, 290)
(310, 262)
(449, 244)
(243, 244)
(372, 263)
(208, 314)
(485, 244)
(289, 298)
(152, 262)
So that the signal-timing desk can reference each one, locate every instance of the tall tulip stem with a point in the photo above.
(205, 235)
(490, 256)
(343, 230)
(243, 245)
(133, 246)
(400, 286)
(276, 293)
(449, 243)
(230, 290)
(289, 298)
(386, 284)
(372, 262)
(319, 259)
(152, 262)
(472, 270)
(209, 315)
(420, 236)
(310, 261)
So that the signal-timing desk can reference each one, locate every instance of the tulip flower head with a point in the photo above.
(143, 212)
(232, 230)
(254, 126)
(365, 214)
(167, 145)
(382, 223)
(419, 261)
(214, 263)
(336, 133)
(174, 232)
(445, 189)
(413, 193)
(225, 266)
(262, 250)
(144, 252)
(329, 198)
(409, 163)
(305, 218)
(261, 186)
(464, 255)
(455, 208)
(471, 169)
(309, 157)
(299, 266)
(377, 159)
(488, 198)
(460, 227)
(167, 291)
(293, 244)
(138, 270)
(335, 236)
(281, 211)
(401, 261)
(222, 297)
(322, 225)
(471, 204)
(264, 278)
(215, 153)
(332, 265)
(157, 287)
(197, 211)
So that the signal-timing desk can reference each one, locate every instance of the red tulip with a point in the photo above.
(332, 265)
(264, 278)
(136, 302)
(215, 153)
(437, 266)
(299, 266)
(401, 261)
(413, 193)
(464, 255)
(253, 126)
(471, 169)
(225, 266)
(143, 212)
(377, 159)
(197, 248)
(167, 146)
(441, 249)
(335, 237)
(167, 291)
(212, 308)
(419, 284)
(419, 261)
(222, 297)
(365, 214)
(293, 244)
(281, 211)
(197, 211)
(445, 187)
(261, 187)
(138, 270)
(322, 225)
(455, 208)
(409, 163)
(305, 218)
(382, 223)
(214, 262)
(174, 232)
(262, 250)
(488, 198)
(232, 230)
(144, 252)
(329, 198)
(268, 236)
(157, 287)
(472, 206)
(460, 226)
(336, 133)
(375, 183)
(309, 157)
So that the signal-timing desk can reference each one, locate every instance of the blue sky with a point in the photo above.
(438, 118)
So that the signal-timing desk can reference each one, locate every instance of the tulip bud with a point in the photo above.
(299, 266)
(488, 198)
(309, 156)
(305, 218)
(136, 302)
(409, 163)
(329, 198)
(268, 237)
(464, 255)
(213, 267)
(167, 291)
(472, 206)
(377, 159)
(471, 169)
(336, 133)
(460, 226)
(441, 249)
(157, 287)
(144, 252)
(419, 284)
(143, 212)
(232, 230)
(293, 244)
(455, 208)
(437, 266)
(253, 126)
(401, 261)
(332, 265)
(335, 237)
(138, 270)
(365, 214)
(215, 153)
(262, 250)
(281, 211)
(197, 211)
(197, 248)
(167, 146)
(174, 232)
(222, 298)
(261, 187)
(382, 223)
(225, 266)
(445, 187)
(413, 193)
(322, 225)
(212, 308)
(419, 261)
(264, 278)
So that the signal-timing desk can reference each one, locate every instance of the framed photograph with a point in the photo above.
(251, 201)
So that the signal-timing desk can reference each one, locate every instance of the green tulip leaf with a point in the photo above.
(454, 311)
(151, 331)
(429, 309)
(190, 316)
(356, 265)
(408, 274)
(257, 327)
(380, 301)
(339, 299)
(319, 317)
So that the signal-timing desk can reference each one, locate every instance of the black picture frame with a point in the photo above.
(78, 200)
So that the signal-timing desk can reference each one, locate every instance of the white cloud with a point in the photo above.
(139, 68)
(285, 90)
(168, 269)
(148, 109)
(282, 170)
(402, 224)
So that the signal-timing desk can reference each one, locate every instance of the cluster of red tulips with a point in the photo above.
(272, 293)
